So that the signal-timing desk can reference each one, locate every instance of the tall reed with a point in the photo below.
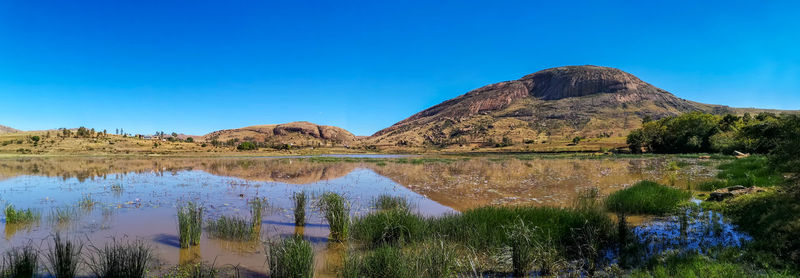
(257, 207)
(291, 257)
(337, 213)
(190, 224)
(64, 258)
(20, 262)
(130, 259)
(300, 199)
(231, 228)
(389, 202)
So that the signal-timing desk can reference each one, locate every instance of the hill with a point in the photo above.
(545, 110)
(5, 129)
(294, 133)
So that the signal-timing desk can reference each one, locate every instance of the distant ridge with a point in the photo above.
(5, 129)
(587, 101)
(295, 133)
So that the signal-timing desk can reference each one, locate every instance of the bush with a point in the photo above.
(646, 197)
(291, 257)
(246, 146)
(14, 216)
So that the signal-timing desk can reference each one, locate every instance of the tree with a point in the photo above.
(189, 139)
(576, 140)
(246, 146)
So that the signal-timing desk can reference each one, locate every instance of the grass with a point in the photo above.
(711, 185)
(337, 212)
(647, 197)
(20, 262)
(300, 200)
(194, 270)
(394, 227)
(21, 216)
(291, 257)
(87, 202)
(750, 171)
(190, 224)
(389, 202)
(130, 259)
(64, 258)
(430, 259)
(231, 228)
(63, 215)
(697, 265)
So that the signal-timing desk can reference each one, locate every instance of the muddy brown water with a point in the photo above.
(152, 188)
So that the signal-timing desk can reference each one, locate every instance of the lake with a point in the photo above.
(137, 198)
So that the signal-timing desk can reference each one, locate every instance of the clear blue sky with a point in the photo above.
(198, 66)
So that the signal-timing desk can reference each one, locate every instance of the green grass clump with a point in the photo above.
(337, 213)
(87, 202)
(696, 265)
(646, 197)
(300, 200)
(63, 215)
(195, 270)
(20, 216)
(64, 258)
(750, 171)
(130, 259)
(394, 226)
(389, 202)
(231, 228)
(20, 263)
(385, 261)
(291, 257)
(190, 224)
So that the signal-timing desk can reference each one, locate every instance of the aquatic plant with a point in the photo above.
(711, 185)
(231, 228)
(300, 199)
(117, 189)
(63, 215)
(384, 261)
(129, 259)
(22, 262)
(20, 216)
(337, 213)
(291, 257)
(87, 202)
(257, 207)
(63, 258)
(196, 270)
(394, 226)
(750, 171)
(190, 224)
(520, 240)
(387, 202)
(647, 197)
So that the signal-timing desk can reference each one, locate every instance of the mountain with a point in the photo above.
(5, 129)
(550, 105)
(294, 133)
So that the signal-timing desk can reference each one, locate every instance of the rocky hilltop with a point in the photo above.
(294, 133)
(553, 104)
(5, 129)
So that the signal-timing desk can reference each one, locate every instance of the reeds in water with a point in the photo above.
(22, 262)
(190, 224)
(337, 213)
(231, 228)
(64, 258)
(291, 257)
(647, 197)
(20, 216)
(300, 199)
(130, 259)
(389, 202)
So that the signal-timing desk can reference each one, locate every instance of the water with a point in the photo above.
(152, 188)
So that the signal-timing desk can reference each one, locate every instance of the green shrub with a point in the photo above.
(291, 257)
(646, 197)
(246, 146)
